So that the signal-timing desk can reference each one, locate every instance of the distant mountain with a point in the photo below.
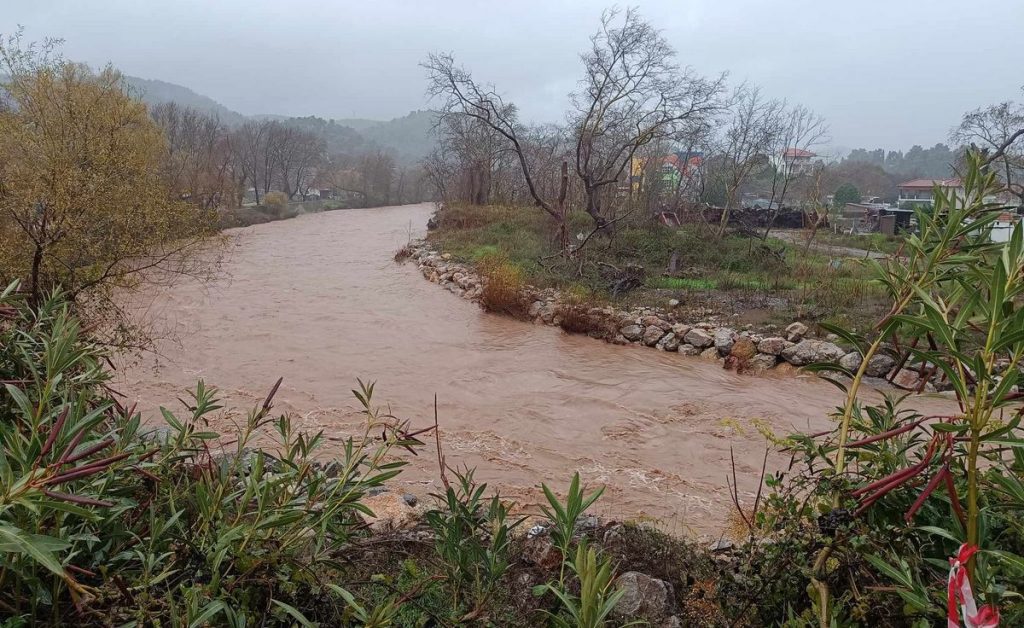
(153, 92)
(409, 138)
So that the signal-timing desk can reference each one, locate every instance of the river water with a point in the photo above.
(319, 301)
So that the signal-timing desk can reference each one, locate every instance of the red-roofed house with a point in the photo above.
(798, 160)
(920, 191)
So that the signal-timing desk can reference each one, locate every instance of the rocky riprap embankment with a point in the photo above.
(745, 349)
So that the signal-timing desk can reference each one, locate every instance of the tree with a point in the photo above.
(82, 202)
(633, 93)
(197, 161)
(461, 95)
(997, 132)
(799, 131)
(744, 146)
(845, 193)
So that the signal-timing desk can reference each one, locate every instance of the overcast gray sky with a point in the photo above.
(884, 73)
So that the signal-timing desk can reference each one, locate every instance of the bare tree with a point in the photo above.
(460, 94)
(249, 143)
(745, 145)
(997, 132)
(799, 131)
(633, 93)
(198, 160)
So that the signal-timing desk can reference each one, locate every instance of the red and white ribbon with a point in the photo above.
(959, 593)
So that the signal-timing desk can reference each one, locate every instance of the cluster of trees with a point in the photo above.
(644, 132)
(635, 105)
(917, 163)
(84, 204)
(213, 165)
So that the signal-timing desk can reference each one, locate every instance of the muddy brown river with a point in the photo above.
(319, 301)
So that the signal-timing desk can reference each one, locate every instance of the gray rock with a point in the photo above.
(880, 365)
(689, 349)
(534, 311)
(774, 345)
(851, 361)
(762, 362)
(710, 353)
(643, 597)
(652, 335)
(680, 329)
(673, 302)
(632, 332)
(657, 322)
(699, 338)
(376, 490)
(669, 342)
(811, 351)
(795, 332)
(410, 499)
(724, 339)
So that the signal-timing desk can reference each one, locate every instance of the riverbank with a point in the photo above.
(739, 278)
(747, 350)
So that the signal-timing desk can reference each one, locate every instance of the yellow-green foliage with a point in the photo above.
(504, 286)
(276, 202)
(82, 204)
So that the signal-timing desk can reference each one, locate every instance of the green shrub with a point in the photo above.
(180, 526)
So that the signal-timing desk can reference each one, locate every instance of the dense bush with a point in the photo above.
(179, 526)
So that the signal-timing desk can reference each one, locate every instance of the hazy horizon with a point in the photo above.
(883, 74)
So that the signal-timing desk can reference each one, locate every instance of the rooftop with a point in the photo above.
(930, 183)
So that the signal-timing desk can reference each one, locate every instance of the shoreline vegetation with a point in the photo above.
(497, 257)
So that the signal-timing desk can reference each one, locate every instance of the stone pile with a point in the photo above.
(744, 349)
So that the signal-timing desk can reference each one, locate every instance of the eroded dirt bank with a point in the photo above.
(319, 301)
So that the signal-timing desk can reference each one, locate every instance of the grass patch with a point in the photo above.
(772, 280)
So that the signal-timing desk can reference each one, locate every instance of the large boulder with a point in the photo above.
(688, 349)
(632, 332)
(724, 340)
(652, 335)
(773, 345)
(880, 365)
(761, 362)
(669, 342)
(795, 332)
(710, 353)
(811, 351)
(699, 338)
(657, 322)
(851, 361)
(643, 597)
(743, 349)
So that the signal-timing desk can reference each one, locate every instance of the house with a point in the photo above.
(673, 171)
(1003, 227)
(799, 161)
(920, 191)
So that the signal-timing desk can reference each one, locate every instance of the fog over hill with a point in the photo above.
(408, 138)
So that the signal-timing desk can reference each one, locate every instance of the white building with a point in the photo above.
(921, 191)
